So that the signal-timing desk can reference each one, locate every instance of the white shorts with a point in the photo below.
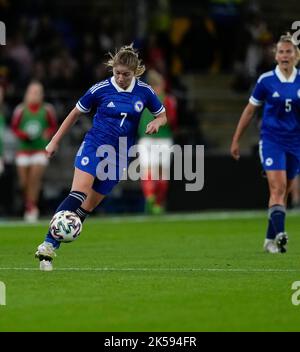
(38, 158)
(155, 152)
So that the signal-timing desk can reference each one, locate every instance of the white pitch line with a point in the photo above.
(171, 217)
(241, 270)
(205, 216)
(200, 216)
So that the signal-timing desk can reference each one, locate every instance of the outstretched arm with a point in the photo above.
(155, 124)
(64, 128)
(244, 122)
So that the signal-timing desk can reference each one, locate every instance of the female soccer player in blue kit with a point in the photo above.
(279, 146)
(119, 102)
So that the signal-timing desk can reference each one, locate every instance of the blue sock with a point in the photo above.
(271, 233)
(72, 203)
(82, 213)
(277, 217)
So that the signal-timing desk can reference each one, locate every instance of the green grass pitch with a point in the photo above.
(169, 273)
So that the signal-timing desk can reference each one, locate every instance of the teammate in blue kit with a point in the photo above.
(279, 146)
(119, 102)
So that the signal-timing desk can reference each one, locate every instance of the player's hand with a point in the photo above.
(153, 127)
(235, 150)
(51, 149)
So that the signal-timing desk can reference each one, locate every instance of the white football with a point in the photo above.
(65, 226)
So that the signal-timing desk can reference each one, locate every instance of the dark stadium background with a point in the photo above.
(210, 51)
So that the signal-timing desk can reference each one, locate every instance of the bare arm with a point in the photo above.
(64, 128)
(154, 125)
(244, 122)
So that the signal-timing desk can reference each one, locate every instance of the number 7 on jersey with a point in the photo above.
(124, 115)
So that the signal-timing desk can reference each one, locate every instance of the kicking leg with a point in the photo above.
(82, 184)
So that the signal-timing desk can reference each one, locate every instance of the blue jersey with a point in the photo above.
(114, 129)
(281, 98)
(118, 111)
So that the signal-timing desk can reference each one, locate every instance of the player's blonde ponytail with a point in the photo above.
(127, 56)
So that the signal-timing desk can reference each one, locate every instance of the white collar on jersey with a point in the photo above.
(119, 89)
(282, 78)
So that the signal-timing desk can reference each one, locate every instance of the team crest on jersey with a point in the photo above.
(138, 106)
(298, 93)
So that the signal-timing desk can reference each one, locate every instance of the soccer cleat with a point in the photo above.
(46, 265)
(270, 246)
(281, 241)
(45, 253)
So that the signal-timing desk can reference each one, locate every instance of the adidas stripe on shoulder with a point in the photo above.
(99, 85)
(143, 84)
(265, 75)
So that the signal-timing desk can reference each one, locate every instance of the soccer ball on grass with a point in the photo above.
(65, 226)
